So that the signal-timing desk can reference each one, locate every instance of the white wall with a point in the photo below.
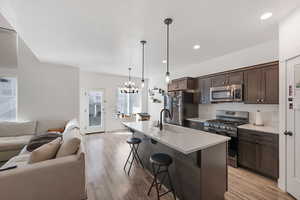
(8, 49)
(110, 83)
(289, 47)
(45, 91)
(289, 40)
(261, 53)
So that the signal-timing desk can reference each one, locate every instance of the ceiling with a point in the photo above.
(104, 36)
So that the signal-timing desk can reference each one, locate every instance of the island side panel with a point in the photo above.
(184, 171)
(214, 177)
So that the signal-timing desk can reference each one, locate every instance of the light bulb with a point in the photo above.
(143, 84)
(168, 77)
(266, 15)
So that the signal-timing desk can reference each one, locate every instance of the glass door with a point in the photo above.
(94, 111)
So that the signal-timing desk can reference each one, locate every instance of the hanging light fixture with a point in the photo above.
(168, 21)
(129, 87)
(143, 42)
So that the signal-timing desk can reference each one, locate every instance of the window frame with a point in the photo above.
(8, 75)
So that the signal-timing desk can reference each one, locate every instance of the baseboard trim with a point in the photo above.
(117, 130)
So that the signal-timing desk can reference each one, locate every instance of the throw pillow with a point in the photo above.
(45, 152)
(39, 140)
(61, 130)
(71, 143)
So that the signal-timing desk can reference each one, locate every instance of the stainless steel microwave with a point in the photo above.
(230, 93)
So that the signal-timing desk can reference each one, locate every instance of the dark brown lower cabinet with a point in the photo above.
(258, 151)
(247, 154)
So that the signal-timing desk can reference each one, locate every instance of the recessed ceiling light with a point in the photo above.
(266, 15)
(164, 61)
(197, 46)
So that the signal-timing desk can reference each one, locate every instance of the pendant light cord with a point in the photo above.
(143, 61)
(129, 74)
(167, 48)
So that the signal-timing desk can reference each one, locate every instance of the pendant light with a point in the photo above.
(168, 21)
(143, 42)
(129, 87)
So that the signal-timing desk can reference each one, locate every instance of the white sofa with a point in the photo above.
(15, 135)
(59, 178)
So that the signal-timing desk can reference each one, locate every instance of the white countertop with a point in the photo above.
(184, 140)
(197, 119)
(266, 129)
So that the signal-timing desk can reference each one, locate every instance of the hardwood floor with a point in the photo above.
(106, 180)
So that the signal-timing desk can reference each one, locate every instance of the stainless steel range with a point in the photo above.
(226, 124)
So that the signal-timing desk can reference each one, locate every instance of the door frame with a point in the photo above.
(83, 111)
(290, 125)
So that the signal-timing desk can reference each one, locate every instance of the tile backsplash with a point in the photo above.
(269, 113)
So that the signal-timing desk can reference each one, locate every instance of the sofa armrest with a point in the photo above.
(61, 178)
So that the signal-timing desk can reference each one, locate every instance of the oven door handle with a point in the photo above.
(222, 133)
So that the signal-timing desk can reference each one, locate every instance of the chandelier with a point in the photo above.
(129, 86)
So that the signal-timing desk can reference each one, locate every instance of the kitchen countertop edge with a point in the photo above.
(265, 129)
(226, 139)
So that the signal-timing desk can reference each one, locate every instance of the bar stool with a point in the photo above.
(158, 162)
(134, 146)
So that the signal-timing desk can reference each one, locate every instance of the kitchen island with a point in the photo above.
(199, 169)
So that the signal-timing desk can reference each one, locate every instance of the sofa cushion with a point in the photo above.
(10, 129)
(19, 161)
(71, 143)
(14, 143)
(45, 152)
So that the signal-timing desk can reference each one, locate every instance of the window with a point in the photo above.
(128, 104)
(8, 101)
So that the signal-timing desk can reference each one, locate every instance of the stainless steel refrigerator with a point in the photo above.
(181, 105)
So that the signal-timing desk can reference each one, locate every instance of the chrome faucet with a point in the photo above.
(160, 121)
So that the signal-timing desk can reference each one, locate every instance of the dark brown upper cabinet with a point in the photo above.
(262, 85)
(186, 83)
(270, 85)
(218, 81)
(233, 78)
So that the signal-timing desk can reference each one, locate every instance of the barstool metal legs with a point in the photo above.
(137, 157)
(171, 185)
(158, 185)
(134, 158)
